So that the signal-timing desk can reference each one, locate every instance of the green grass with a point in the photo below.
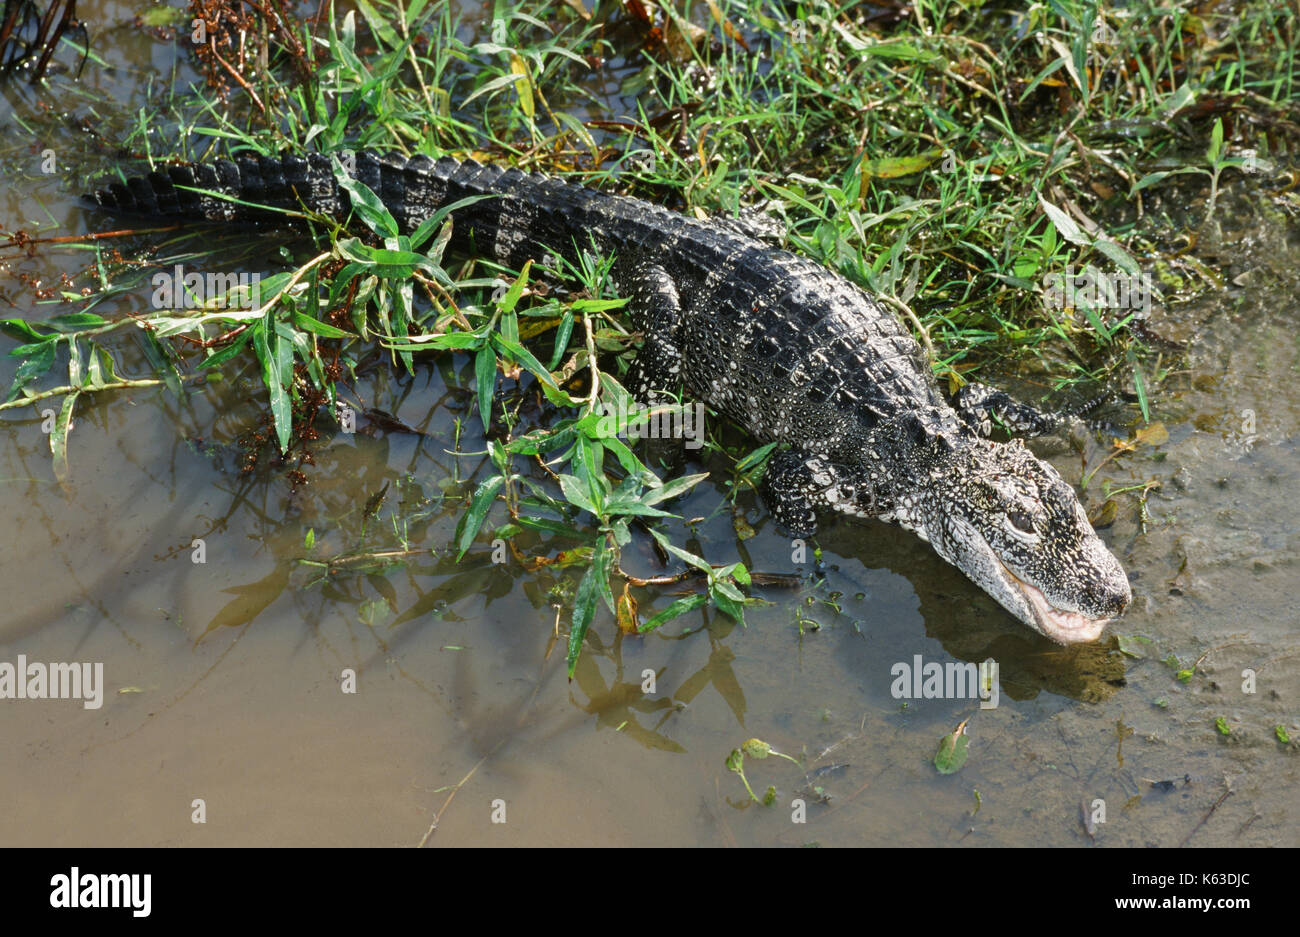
(948, 156)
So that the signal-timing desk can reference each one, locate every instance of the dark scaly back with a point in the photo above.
(791, 350)
(774, 340)
(519, 215)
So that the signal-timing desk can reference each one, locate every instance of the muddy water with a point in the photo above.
(226, 665)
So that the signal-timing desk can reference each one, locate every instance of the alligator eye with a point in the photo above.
(1021, 522)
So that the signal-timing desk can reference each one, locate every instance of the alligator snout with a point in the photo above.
(1111, 597)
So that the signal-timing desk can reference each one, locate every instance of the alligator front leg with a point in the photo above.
(797, 485)
(980, 405)
(654, 309)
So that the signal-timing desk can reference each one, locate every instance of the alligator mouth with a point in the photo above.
(1058, 624)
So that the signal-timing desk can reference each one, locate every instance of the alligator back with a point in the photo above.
(787, 348)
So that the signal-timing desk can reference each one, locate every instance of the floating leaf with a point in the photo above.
(1105, 515)
(952, 750)
(678, 608)
(626, 614)
(1130, 644)
(1153, 435)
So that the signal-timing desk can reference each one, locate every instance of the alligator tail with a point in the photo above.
(511, 216)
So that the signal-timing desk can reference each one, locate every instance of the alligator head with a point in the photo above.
(1015, 527)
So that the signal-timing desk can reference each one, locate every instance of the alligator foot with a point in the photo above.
(980, 406)
(797, 485)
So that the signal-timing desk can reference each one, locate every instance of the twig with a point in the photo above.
(68, 389)
(1209, 813)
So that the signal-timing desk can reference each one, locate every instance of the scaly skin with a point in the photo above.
(788, 349)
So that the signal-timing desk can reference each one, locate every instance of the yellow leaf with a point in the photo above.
(525, 88)
(627, 617)
(1153, 435)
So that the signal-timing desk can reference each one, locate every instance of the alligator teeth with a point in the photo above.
(1059, 625)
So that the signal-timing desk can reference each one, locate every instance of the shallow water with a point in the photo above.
(223, 678)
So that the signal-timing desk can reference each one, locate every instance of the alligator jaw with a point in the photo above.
(1059, 625)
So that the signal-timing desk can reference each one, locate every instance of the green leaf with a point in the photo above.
(266, 343)
(75, 321)
(525, 357)
(1140, 386)
(1120, 257)
(755, 457)
(1064, 223)
(673, 488)
(1152, 178)
(562, 333)
(456, 341)
(316, 327)
(952, 750)
(472, 520)
(429, 224)
(494, 85)
(548, 525)
(1216, 142)
(389, 264)
(367, 205)
(485, 375)
(677, 609)
(40, 358)
(584, 603)
(160, 361)
(726, 602)
(225, 354)
(633, 507)
(22, 330)
(678, 552)
(576, 493)
(511, 298)
(59, 437)
(895, 167)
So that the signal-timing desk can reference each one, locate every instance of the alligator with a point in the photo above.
(791, 351)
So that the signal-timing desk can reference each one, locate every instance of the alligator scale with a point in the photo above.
(791, 351)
